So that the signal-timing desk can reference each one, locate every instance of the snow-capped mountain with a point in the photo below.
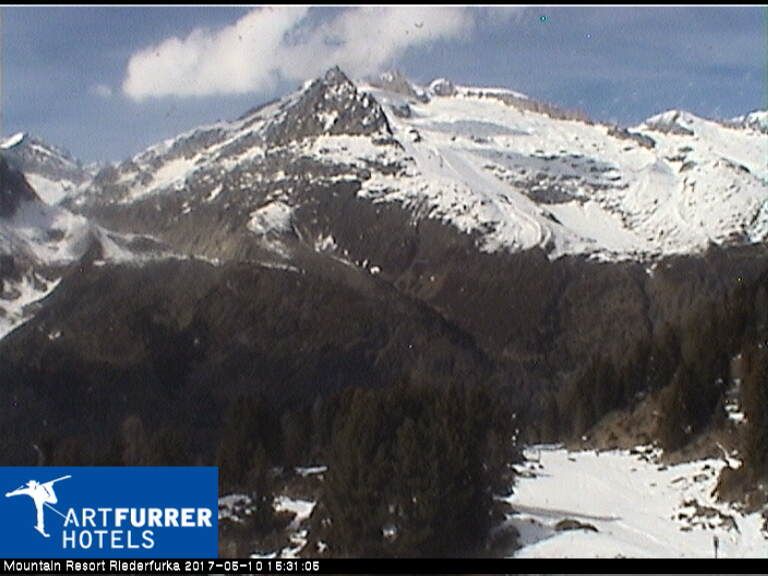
(757, 120)
(53, 172)
(32, 235)
(38, 242)
(364, 234)
(512, 172)
(393, 178)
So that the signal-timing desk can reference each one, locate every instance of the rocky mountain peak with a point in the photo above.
(442, 87)
(335, 75)
(330, 105)
(678, 122)
(757, 120)
(52, 171)
(398, 83)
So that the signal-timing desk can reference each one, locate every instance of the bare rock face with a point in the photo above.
(641, 139)
(572, 524)
(14, 189)
(31, 155)
(330, 105)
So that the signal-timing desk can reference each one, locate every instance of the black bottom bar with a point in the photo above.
(381, 566)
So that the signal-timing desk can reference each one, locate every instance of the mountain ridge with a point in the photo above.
(554, 190)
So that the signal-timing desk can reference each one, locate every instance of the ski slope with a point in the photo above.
(639, 507)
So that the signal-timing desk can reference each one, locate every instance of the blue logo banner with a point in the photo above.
(109, 512)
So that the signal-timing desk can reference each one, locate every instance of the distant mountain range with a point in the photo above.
(493, 163)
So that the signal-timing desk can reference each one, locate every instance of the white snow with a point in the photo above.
(50, 191)
(233, 507)
(214, 193)
(325, 243)
(757, 120)
(301, 508)
(46, 234)
(311, 470)
(12, 141)
(476, 160)
(17, 296)
(640, 508)
(171, 174)
(298, 537)
(595, 227)
(272, 217)
(328, 119)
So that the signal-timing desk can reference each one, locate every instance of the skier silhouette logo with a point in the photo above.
(42, 494)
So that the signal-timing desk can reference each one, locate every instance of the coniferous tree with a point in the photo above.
(550, 418)
(359, 469)
(249, 423)
(412, 471)
(755, 403)
(244, 457)
(296, 437)
(675, 410)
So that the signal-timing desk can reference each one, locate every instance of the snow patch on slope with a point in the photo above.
(12, 141)
(51, 191)
(46, 234)
(16, 297)
(639, 507)
(272, 217)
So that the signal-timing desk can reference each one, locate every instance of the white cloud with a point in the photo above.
(269, 44)
(101, 90)
(499, 15)
(235, 59)
(363, 40)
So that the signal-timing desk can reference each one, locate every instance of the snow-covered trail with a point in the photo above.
(640, 508)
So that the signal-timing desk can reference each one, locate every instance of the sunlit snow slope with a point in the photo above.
(51, 171)
(639, 507)
(484, 162)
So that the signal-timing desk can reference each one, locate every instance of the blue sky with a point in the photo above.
(107, 82)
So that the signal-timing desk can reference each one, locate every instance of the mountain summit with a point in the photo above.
(330, 105)
(52, 171)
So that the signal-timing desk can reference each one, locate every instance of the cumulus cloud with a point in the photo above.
(287, 43)
(363, 40)
(235, 59)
